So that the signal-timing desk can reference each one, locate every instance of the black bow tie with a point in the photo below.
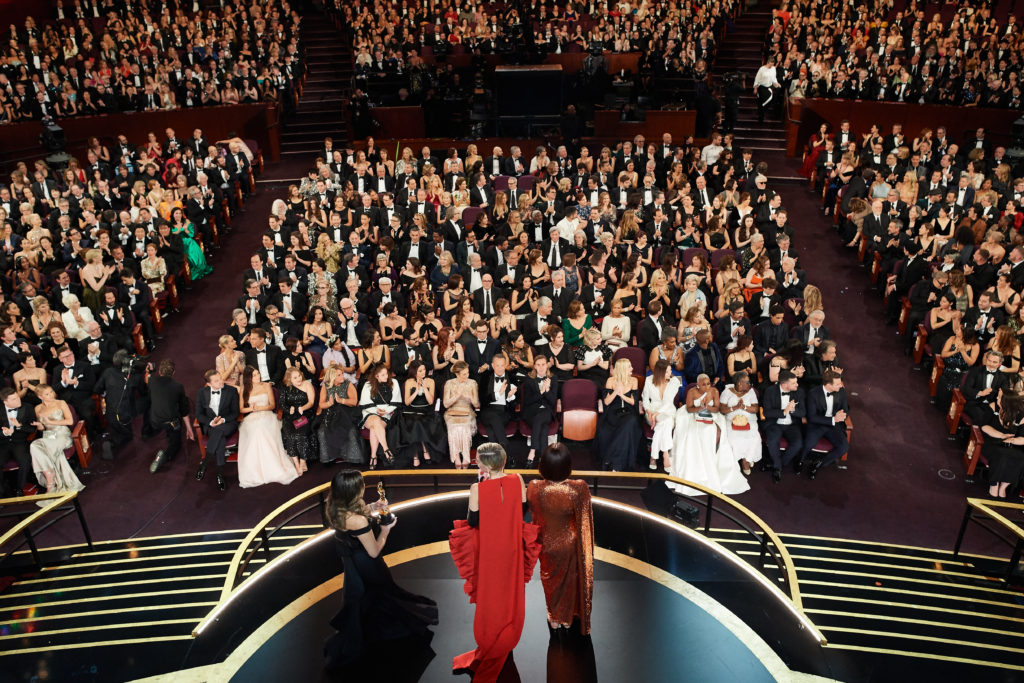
(261, 352)
(215, 393)
(833, 394)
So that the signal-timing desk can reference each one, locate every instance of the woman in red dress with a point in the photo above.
(815, 146)
(495, 552)
(561, 508)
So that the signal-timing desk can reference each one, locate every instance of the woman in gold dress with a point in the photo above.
(461, 402)
(562, 509)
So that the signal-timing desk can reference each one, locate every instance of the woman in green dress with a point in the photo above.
(198, 267)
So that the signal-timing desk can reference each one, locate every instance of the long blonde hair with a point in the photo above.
(622, 372)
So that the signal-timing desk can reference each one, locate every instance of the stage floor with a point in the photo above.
(643, 629)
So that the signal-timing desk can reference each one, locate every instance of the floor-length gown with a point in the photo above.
(338, 433)
(460, 419)
(565, 516)
(375, 608)
(298, 440)
(662, 404)
(745, 440)
(496, 560)
(261, 455)
(48, 456)
(618, 432)
(197, 265)
(420, 424)
(1005, 461)
(697, 458)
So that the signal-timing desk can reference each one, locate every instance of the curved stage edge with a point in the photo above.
(663, 592)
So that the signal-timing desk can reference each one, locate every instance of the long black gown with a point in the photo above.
(375, 608)
(1005, 462)
(419, 424)
(619, 433)
(338, 433)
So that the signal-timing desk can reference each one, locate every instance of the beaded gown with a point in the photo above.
(565, 516)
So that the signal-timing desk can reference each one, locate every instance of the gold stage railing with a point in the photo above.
(991, 515)
(23, 527)
(713, 503)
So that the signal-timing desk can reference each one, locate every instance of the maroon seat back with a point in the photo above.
(579, 394)
(636, 357)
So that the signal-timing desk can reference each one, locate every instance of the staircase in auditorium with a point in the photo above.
(881, 599)
(322, 108)
(870, 600)
(741, 52)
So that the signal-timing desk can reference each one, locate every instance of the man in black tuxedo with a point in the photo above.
(137, 298)
(217, 409)
(770, 335)
(1014, 268)
(264, 357)
(97, 348)
(124, 387)
(253, 303)
(554, 248)
(731, 327)
(486, 296)
(535, 324)
(540, 400)
(783, 249)
(481, 349)
(827, 408)
(381, 296)
(266, 277)
(294, 272)
(761, 303)
(813, 332)
(982, 385)
(416, 247)
(494, 165)
(497, 400)
(559, 294)
(11, 348)
(981, 274)
(648, 332)
(63, 287)
(984, 318)
(168, 412)
(73, 381)
(412, 348)
(279, 328)
(15, 429)
(597, 297)
(783, 410)
(116, 321)
(352, 324)
(481, 195)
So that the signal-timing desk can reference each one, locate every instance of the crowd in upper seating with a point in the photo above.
(960, 55)
(940, 221)
(423, 300)
(390, 39)
(92, 257)
(111, 57)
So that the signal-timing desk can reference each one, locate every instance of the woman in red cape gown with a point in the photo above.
(495, 552)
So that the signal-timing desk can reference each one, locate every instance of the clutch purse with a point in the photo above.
(740, 423)
(300, 422)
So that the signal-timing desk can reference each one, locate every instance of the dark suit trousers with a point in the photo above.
(495, 419)
(119, 430)
(173, 431)
(217, 441)
(540, 423)
(835, 434)
(773, 432)
(20, 452)
(977, 410)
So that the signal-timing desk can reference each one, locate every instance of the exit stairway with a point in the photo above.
(322, 108)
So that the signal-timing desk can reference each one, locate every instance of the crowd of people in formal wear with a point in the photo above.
(378, 306)
(939, 219)
(93, 257)
(113, 56)
(954, 54)
(392, 40)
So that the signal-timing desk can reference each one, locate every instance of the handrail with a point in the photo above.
(988, 513)
(779, 553)
(59, 499)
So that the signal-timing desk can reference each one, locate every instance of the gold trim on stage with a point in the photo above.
(101, 612)
(176, 579)
(128, 596)
(886, 577)
(70, 577)
(907, 591)
(914, 605)
(908, 620)
(923, 655)
(105, 643)
(107, 627)
(931, 639)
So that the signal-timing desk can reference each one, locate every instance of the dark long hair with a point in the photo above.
(345, 497)
(247, 383)
(555, 463)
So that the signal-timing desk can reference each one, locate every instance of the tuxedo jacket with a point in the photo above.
(477, 198)
(531, 330)
(228, 407)
(534, 400)
(560, 303)
(478, 299)
(476, 357)
(25, 416)
(487, 395)
(816, 407)
(400, 358)
(85, 374)
(275, 361)
(647, 334)
(300, 303)
(802, 332)
(269, 273)
(974, 382)
(723, 330)
(772, 404)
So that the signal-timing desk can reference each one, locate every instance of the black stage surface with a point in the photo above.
(642, 631)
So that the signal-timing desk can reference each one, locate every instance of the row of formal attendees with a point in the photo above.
(248, 54)
(826, 50)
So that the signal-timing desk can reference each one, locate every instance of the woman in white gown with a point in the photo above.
(659, 397)
(739, 406)
(261, 455)
(702, 455)
(48, 461)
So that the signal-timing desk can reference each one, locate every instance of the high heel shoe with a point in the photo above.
(389, 457)
(653, 465)
(416, 461)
